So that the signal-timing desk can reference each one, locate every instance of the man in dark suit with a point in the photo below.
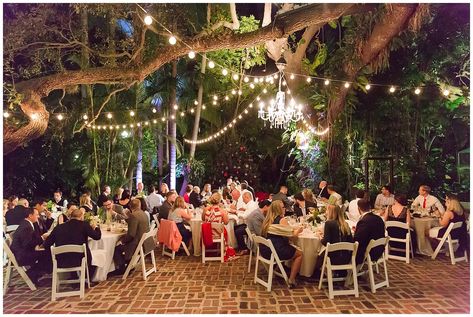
(282, 195)
(369, 226)
(167, 205)
(104, 195)
(301, 207)
(138, 225)
(16, 215)
(45, 219)
(25, 247)
(323, 190)
(75, 231)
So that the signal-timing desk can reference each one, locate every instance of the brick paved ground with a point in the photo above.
(187, 286)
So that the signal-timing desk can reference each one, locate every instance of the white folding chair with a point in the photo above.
(172, 254)
(447, 238)
(13, 263)
(221, 241)
(370, 263)
(83, 271)
(11, 228)
(140, 256)
(250, 246)
(269, 264)
(330, 268)
(407, 241)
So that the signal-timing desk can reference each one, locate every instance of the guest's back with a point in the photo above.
(370, 226)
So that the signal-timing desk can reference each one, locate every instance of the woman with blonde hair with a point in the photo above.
(179, 214)
(214, 212)
(308, 195)
(453, 213)
(336, 229)
(285, 251)
(85, 202)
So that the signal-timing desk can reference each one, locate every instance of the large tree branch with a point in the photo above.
(283, 25)
(384, 31)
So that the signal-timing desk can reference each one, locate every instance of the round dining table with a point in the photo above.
(102, 251)
(422, 225)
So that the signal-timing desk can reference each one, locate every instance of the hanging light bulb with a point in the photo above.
(175, 107)
(246, 79)
(292, 76)
(60, 117)
(85, 117)
(251, 105)
(191, 54)
(192, 110)
(109, 115)
(235, 76)
(146, 123)
(172, 40)
(182, 114)
(327, 82)
(148, 20)
(265, 90)
(138, 124)
(196, 102)
(173, 117)
(284, 83)
(233, 92)
(392, 89)
(204, 107)
(347, 84)
(224, 72)
(368, 86)
(163, 119)
(215, 97)
(214, 103)
(132, 113)
(417, 91)
(252, 86)
(154, 110)
(226, 98)
(446, 92)
(6, 115)
(309, 79)
(155, 121)
(255, 80)
(288, 91)
(239, 92)
(211, 64)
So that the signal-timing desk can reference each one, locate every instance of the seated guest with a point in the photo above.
(186, 196)
(427, 201)
(77, 232)
(85, 202)
(115, 211)
(106, 191)
(336, 230)
(353, 213)
(309, 195)
(13, 201)
(285, 251)
(124, 201)
(194, 197)
(179, 214)
(245, 185)
(454, 213)
(59, 201)
(282, 195)
(213, 212)
(335, 198)
(163, 189)
(254, 221)
(16, 215)
(64, 217)
(234, 192)
(301, 207)
(369, 226)
(384, 199)
(45, 219)
(23, 202)
(138, 225)
(226, 196)
(206, 192)
(323, 194)
(118, 195)
(95, 208)
(154, 200)
(5, 206)
(167, 205)
(140, 190)
(143, 204)
(245, 209)
(24, 247)
(398, 212)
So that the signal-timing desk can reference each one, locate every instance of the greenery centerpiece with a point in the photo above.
(316, 216)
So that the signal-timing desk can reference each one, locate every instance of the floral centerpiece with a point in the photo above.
(50, 205)
(316, 216)
(88, 217)
(102, 214)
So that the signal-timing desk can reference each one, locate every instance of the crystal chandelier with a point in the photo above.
(278, 113)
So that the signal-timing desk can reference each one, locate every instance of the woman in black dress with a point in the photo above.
(398, 212)
(285, 251)
(125, 200)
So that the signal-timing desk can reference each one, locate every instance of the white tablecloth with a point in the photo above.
(310, 245)
(103, 259)
(196, 228)
(422, 227)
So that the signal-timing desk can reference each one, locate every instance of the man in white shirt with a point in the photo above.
(353, 212)
(427, 201)
(335, 198)
(323, 194)
(248, 206)
(153, 199)
(384, 199)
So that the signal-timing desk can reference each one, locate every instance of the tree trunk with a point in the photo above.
(172, 127)
(195, 131)
(139, 158)
(35, 89)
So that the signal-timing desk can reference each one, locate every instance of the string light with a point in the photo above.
(326, 82)
(292, 76)
(215, 97)
(246, 79)
(196, 102)
(417, 91)
(172, 40)
(211, 64)
(368, 86)
(446, 92)
(235, 77)
(60, 117)
(154, 110)
(224, 72)
(132, 113)
(309, 79)
(252, 86)
(392, 89)
(265, 90)
(109, 115)
(6, 115)
(226, 98)
(176, 107)
(347, 85)
(240, 92)
(191, 55)
(34, 116)
(148, 20)
(204, 107)
(85, 117)
(314, 130)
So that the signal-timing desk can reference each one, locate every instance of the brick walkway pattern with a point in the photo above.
(187, 286)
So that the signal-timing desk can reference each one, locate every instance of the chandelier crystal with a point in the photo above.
(278, 113)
